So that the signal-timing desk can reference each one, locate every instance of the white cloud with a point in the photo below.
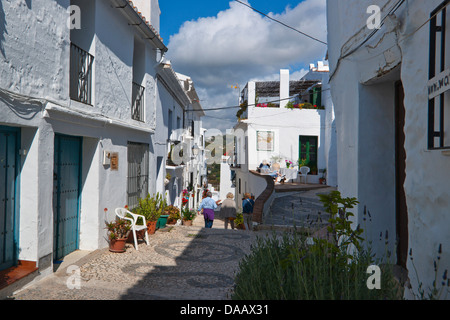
(239, 45)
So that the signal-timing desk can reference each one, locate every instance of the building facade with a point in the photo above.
(81, 110)
(392, 125)
(285, 121)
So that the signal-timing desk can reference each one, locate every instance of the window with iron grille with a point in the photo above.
(137, 107)
(80, 74)
(439, 81)
(138, 172)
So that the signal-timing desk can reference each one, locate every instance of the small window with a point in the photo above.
(439, 81)
(80, 74)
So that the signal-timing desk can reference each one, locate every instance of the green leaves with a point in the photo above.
(151, 207)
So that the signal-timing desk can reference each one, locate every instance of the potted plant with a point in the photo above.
(173, 214)
(188, 216)
(118, 234)
(239, 221)
(151, 207)
(323, 180)
(167, 179)
(289, 164)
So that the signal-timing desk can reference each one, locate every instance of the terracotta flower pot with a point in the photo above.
(117, 245)
(187, 222)
(151, 227)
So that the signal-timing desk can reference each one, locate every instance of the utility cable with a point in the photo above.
(282, 23)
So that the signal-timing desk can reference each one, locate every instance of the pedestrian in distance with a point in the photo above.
(247, 210)
(228, 210)
(207, 207)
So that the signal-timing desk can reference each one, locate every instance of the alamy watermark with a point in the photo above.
(374, 20)
(74, 19)
(374, 280)
(74, 279)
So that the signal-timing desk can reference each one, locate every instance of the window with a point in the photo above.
(439, 81)
(169, 124)
(308, 152)
(138, 167)
(80, 74)
(315, 96)
(137, 106)
(264, 140)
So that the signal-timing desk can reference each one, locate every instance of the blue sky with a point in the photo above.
(220, 43)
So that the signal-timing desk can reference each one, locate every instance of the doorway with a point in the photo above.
(401, 217)
(9, 149)
(66, 194)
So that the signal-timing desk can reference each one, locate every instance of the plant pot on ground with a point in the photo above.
(151, 207)
(188, 216)
(239, 221)
(174, 214)
(118, 231)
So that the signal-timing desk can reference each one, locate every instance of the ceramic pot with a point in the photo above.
(117, 245)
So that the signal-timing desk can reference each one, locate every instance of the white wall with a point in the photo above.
(34, 62)
(363, 99)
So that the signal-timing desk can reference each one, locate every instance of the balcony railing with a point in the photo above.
(137, 107)
(80, 74)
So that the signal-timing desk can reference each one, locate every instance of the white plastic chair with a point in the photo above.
(122, 213)
(304, 172)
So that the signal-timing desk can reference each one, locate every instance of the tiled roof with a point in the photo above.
(137, 19)
(145, 20)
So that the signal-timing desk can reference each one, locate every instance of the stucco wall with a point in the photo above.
(362, 90)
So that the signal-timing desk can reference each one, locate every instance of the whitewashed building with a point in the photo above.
(179, 136)
(389, 80)
(80, 114)
(269, 130)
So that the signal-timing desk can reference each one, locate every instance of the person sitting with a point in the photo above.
(264, 167)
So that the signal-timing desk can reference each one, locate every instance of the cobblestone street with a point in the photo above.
(181, 262)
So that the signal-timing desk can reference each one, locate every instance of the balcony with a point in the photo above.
(80, 75)
(137, 106)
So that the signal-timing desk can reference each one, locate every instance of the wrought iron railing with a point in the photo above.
(137, 106)
(80, 74)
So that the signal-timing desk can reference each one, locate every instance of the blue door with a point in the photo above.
(9, 144)
(66, 194)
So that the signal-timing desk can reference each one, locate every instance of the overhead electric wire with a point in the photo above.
(343, 56)
(255, 104)
(282, 23)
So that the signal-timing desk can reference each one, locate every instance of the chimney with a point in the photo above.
(284, 87)
(150, 10)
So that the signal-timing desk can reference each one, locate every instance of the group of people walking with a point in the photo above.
(228, 210)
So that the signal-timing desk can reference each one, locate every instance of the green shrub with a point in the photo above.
(290, 267)
(287, 269)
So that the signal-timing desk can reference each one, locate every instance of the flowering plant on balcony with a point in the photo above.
(305, 105)
(267, 105)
